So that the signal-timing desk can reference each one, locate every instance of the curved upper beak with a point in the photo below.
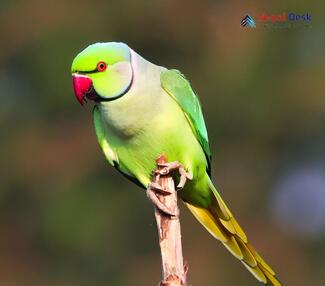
(81, 85)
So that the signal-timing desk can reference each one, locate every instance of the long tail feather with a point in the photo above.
(219, 221)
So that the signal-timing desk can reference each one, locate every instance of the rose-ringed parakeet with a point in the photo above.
(143, 110)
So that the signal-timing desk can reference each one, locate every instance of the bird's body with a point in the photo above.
(149, 111)
(144, 124)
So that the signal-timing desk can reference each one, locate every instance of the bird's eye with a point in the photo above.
(101, 66)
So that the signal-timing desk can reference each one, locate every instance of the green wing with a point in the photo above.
(178, 87)
(109, 153)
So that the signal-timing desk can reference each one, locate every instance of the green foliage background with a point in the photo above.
(68, 219)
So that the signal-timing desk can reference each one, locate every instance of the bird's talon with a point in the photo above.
(166, 168)
(158, 204)
(155, 187)
(187, 175)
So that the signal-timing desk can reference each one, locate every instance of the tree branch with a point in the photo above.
(169, 231)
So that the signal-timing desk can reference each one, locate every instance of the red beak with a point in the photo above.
(81, 85)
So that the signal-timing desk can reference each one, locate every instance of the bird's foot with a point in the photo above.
(157, 188)
(154, 191)
(166, 168)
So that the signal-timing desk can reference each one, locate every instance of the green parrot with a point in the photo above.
(143, 110)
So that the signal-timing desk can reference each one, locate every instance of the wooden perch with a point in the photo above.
(168, 224)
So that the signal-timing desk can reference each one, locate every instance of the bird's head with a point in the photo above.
(102, 72)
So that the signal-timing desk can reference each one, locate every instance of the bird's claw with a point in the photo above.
(184, 176)
(166, 168)
(157, 188)
(153, 190)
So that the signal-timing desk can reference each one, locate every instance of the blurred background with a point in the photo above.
(68, 219)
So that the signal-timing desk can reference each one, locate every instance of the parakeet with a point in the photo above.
(143, 110)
